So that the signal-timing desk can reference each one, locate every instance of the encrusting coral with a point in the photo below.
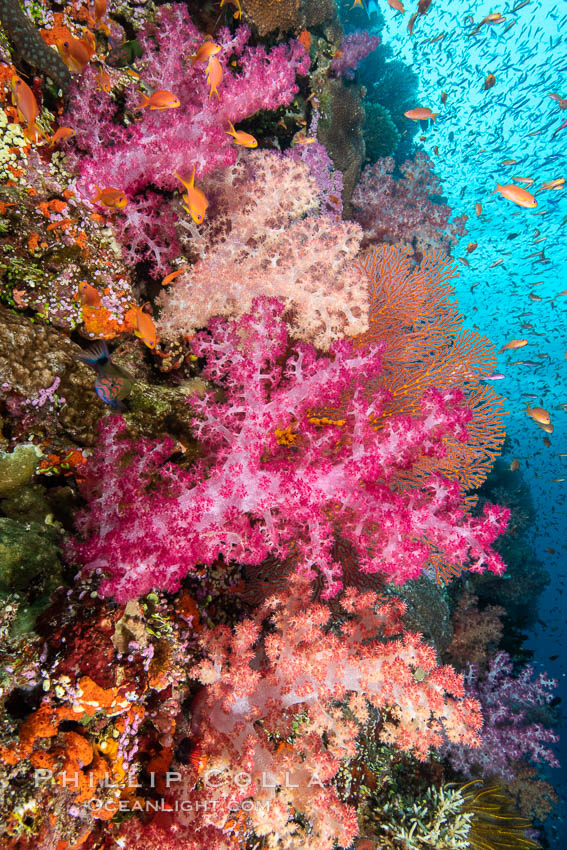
(29, 45)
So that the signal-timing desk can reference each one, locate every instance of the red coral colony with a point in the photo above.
(248, 552)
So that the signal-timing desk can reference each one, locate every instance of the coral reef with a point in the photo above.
(43, 385)
(266, 709)
(253, 532)
(30, 47)
(508, 703)
(286, 15)
(142, 158)
(264, 236)
(354, 47)
(405, 210)
(381, 136)
(340, 130)
(272, 443)
(452, 817)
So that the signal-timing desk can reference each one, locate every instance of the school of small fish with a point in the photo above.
(499, 144)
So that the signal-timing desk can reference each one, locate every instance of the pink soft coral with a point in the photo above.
(264, 236)
(403, 210)
(148, 151)
(277, 476)
(281, 711)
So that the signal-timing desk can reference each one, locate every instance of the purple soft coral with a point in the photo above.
(148, 152)
(355, 47)
(508, 733)
(278, 474)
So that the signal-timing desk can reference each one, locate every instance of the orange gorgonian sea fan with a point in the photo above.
(413, 315)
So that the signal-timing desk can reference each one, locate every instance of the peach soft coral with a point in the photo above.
(281, 710)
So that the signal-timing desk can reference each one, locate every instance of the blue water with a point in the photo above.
(477, 130)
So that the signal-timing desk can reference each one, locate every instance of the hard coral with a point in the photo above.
(264, 237)
(34, 357)
(278, 473)
(287, 15)
(147, 153)
(340, 130)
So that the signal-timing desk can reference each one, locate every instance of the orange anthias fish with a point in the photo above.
(161, 99)
(214, 76)
(421, 114)
(517, 195)
(76, 52)
(397, 5)
(513, 344)
(61, 134)
(195, 200)
(515, 465)
(538, 414)
(145, 328)
(88, 295)
(103, 80)
(205, 51)
(99, 11)
(472, 246)
(561, 101)
(478, 208)
(110, 197)
(553, 185)
(24, 100)
(493, 18)
(171, 277)
(238, 13)
(242, 138)
(489, 81)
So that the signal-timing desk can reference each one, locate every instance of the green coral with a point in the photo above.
(17, 468)
(437, 821)
(29, 555)
(445, 817)
(381, 135)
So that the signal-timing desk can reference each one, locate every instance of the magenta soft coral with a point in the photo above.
(275, 476)
(272, 723)
(148, 152)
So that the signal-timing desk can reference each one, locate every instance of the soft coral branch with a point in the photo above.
(274, 706)
(146, 153)
(275, 477)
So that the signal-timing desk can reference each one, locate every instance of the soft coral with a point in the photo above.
(276, 475)
(148, 152)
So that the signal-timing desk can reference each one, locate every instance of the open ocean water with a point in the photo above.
(476, 131)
